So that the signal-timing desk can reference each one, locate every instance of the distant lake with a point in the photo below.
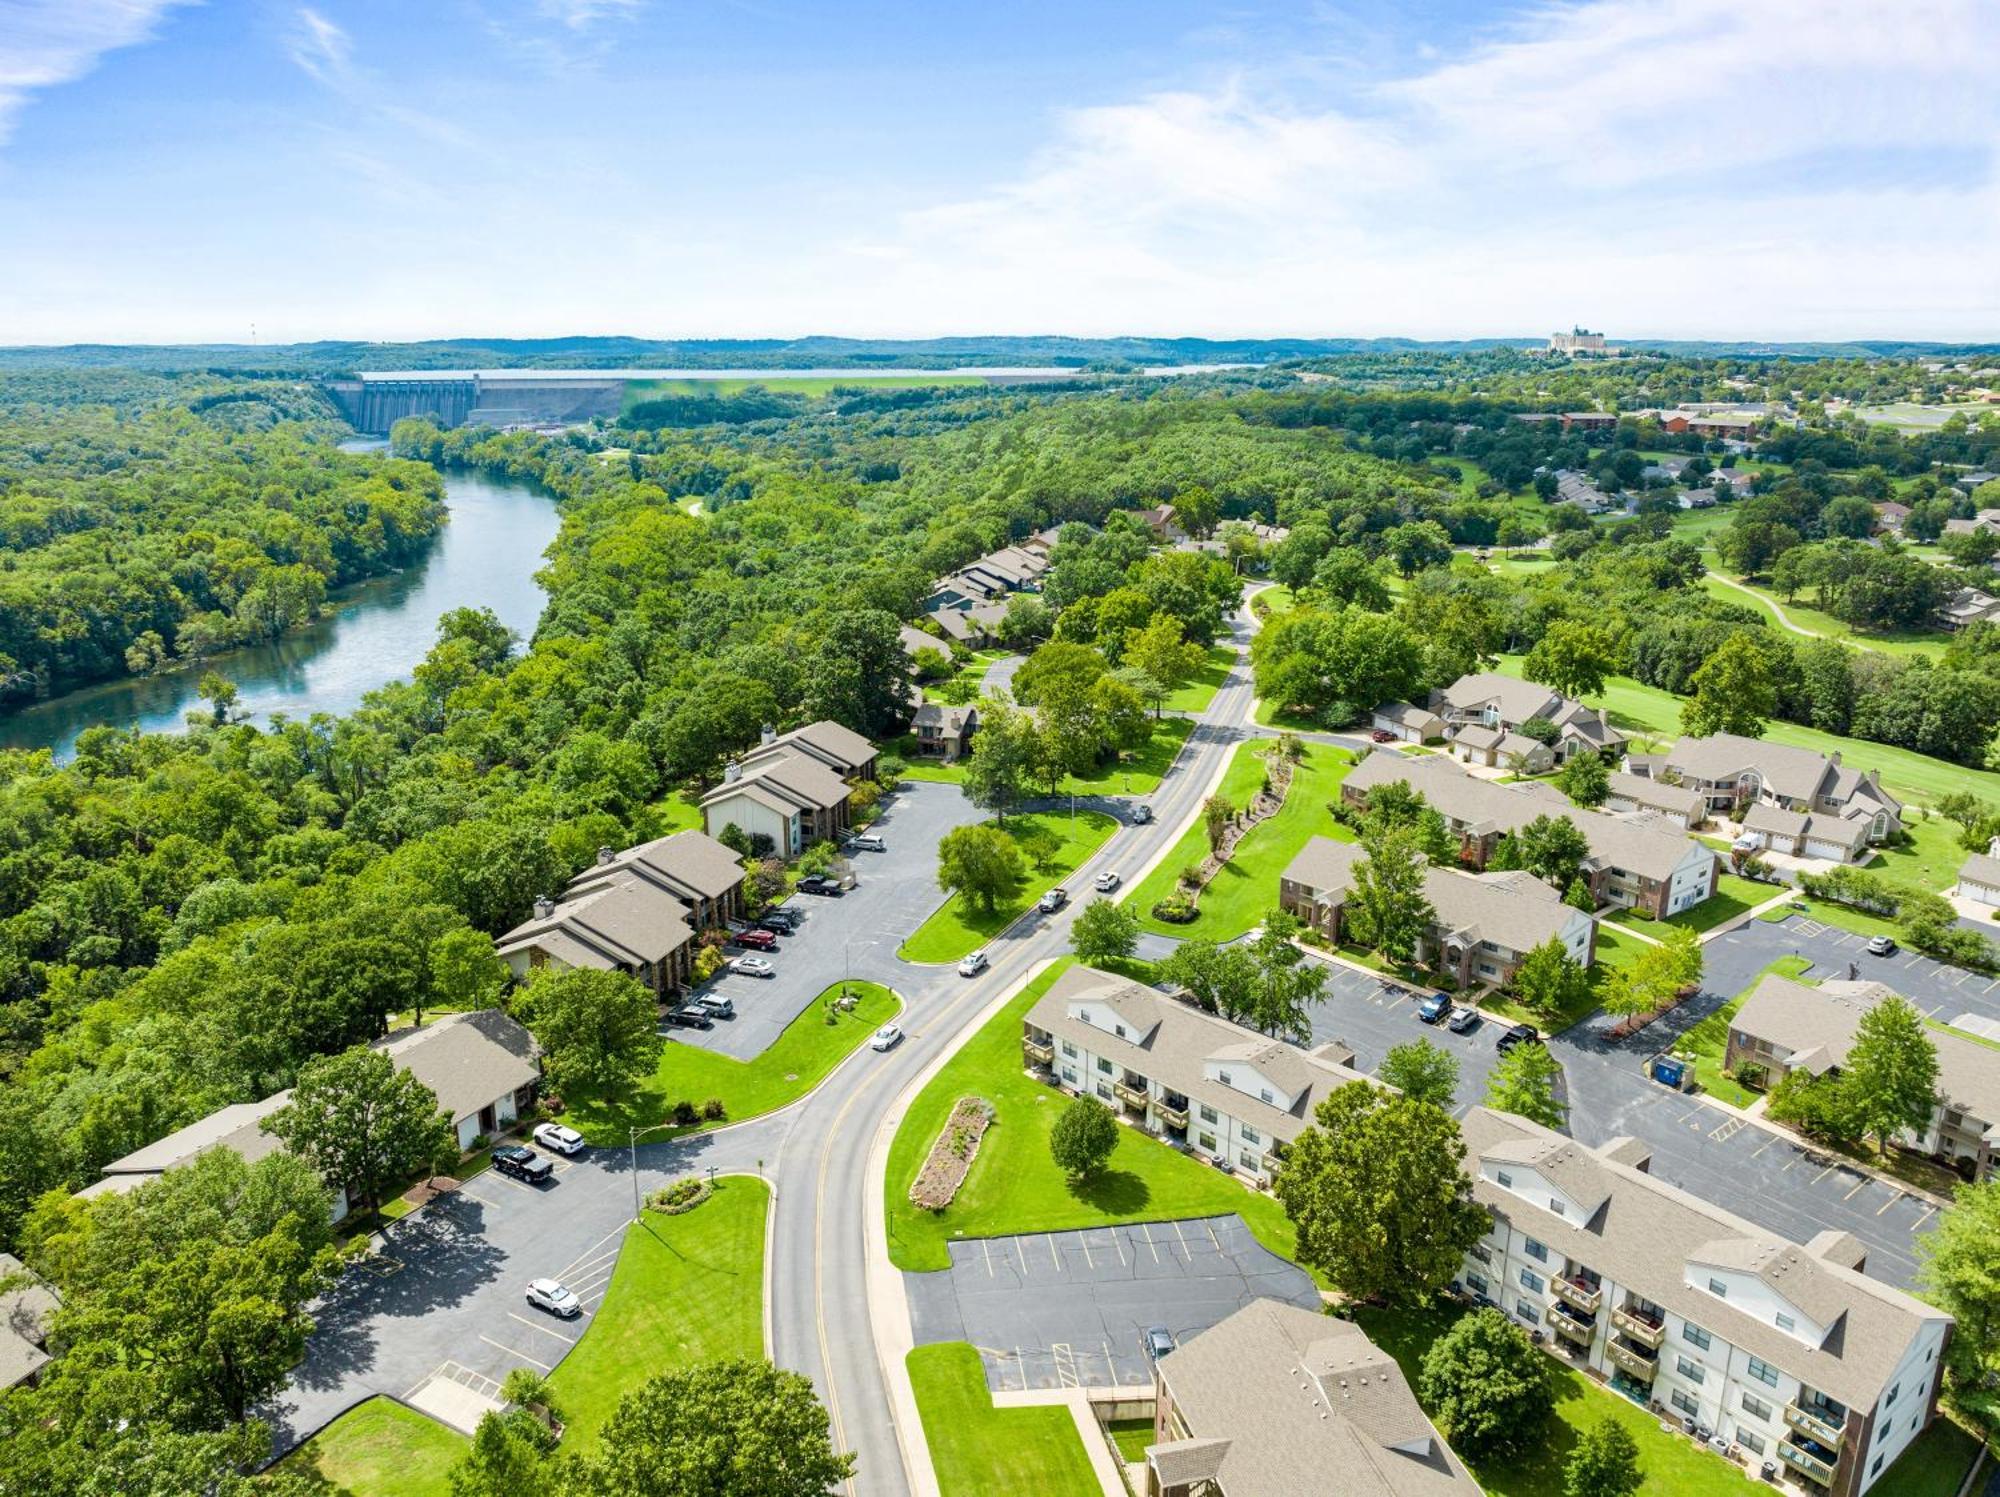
(371, 633)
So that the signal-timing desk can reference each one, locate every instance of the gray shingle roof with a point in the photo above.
(1981, 868)
(826, 741)
(1795, 773)
(688, 865)
(1675, 798)
(620, 921)
(469, 1060)
(25, 1314)
(1648, 1231)
(1307, 1404)
(1515, 700)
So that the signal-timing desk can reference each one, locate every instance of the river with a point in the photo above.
(371, 634)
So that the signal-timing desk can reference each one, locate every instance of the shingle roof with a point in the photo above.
(1516, 700)
(1306, 1403)
(1982, 869)
(914, 639)
(469, 1060)
(826, 741)
(1795, 773)
(25, 1313)
(792, 776)
(1675, 798)
(1407, 714)
(620, 921)
(689, 865)
(1648, 1231)
(1171, 1042)
(950, 721)
(238, 1126)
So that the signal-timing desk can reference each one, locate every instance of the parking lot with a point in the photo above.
(895, 891)
(1943, 992)
(1068, 1309)
(1371, 1017)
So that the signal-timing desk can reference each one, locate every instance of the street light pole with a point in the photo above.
(632, 1142)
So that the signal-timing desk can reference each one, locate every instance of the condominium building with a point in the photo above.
(1784, 1352)
(1790, 800)
(1280, 1400)
(1483, 925)
(1227, 1093)
(1644, 861)
(1787, 1026)
(1484, 711)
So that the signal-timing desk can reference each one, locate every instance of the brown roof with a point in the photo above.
(689, 865)
(838, 748)
(469, 1060)
(1307, 1404)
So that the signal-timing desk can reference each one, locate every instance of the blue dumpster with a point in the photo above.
(1670, 1072)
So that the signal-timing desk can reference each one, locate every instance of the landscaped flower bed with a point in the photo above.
(950, 1158)
(680, 1197)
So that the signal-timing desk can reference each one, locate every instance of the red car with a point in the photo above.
(1383, 735)
(759, 940)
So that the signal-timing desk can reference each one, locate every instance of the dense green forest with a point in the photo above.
(147, 523)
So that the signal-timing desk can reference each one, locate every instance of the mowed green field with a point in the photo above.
(813, 387)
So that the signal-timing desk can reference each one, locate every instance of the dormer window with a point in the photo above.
(1224, 1078)
(1717, 1288)
(1265, 1094)
(1555, 1205)
(1119, 1030)
(1506, 1180)
(1786, 1323)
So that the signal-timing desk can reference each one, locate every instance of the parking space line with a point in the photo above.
(1899, 1196)
(1929, 1212)
(1860, 1186)
(1991, 985)
(1768, 1141)
(1151, 1246)
(1183, 1237)
(1965, 979)
(1729, 1129)
(1054, 1256)
(1117, 1246)
(986, 1250)
(546, 1331)
(1088, 1261)
(1931, 1013)
(1691, 1112)
(1209, 1228)
(1824, 1173)
(1915, 957)
(464, 1191)
(516, 1352)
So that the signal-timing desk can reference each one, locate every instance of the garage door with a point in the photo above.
(1832, 850)
(1980, 893)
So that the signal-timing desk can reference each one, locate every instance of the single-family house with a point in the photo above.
(1787, 1026)
(1410, 723)
(1788, 1352)
(1889, 517)
(27, 1311)
(944, 732)
(1987, 522)
(1229, 1094)
(1501, 704)
(1161, 521)
(1279, 1399)
(1483, 924)
(1968, 605)
(973, 627)
(1789, 800)
(1979, 879)
(913, 639)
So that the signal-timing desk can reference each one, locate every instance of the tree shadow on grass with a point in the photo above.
(1115, 1192)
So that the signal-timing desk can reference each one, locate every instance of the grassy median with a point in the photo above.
(1066, 842)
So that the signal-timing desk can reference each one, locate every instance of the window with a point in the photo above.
(1477, 1284)
(1531, 1281)
(1876, 1469)
(1755, 1407)
(1119, 1030)
(1749, 1441)
(1694, 1372)
(1487, 969)
(1892, 1395)
(1104, 1091)
(1482, 1253)
(1069, 1075)
(1717, 1288)
(1764, 1372)
(1207, 1113)
(1694, 1335)
(1104, 1065)
(1206, 1140)
(1224, 1078)
(1685, 1402)
(1504, 1178)
(1786, 1323)
(1555, 1206)
(1536, 1251)
(1250, 1136)
(1069, 1049)
(1248, 1160)
(1523, 1309)
(1264, 1094)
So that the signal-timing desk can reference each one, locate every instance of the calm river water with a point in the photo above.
(371, 634)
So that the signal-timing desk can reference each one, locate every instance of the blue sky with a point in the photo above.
(175, 171)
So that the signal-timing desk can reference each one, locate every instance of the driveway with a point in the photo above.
(895, 891)
(1067, 1309)
(444, 1296)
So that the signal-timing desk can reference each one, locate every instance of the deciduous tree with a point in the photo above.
(1486, 1386)
(1889, 1083)
(1605, 1463)
(1959, 1269)
(981, 863)
(1523, 1082)
(1572, 657)
(1103, 931)
(364, 1124)
(1387, 908)
(1422, 1072)
(597, 1030)
(1083, 1137)
(1733, 692)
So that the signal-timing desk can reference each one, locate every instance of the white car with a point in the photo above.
(868, 842)
(752, 966)
(562, 1140)
(888, 1037)
(1106, 882)
(551, 1295)
(973, 965)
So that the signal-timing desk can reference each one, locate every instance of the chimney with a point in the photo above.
(544, 907)
(770, 734)
(605, 855)
(731, 772)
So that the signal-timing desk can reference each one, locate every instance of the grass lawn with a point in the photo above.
(1934, 1465)
(1909, 776)
(1246, 890)
(1932, 859)
(1132, 1436)
(1138, 775)
(810, 386)
(977, 1448)
(1273, 600)
(1708, 1042)
(1016, 1187)
(1733, 896)
(675, 813)
(687, 1289)
(1826, 912)
(1201, 687)
(1890, 642)
(1670, 1463)
(957, 928)
(381, 1449)
(794, 1064)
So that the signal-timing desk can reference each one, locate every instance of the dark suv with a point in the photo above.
(689, 1016)
(522, 1164)
(818, 883)
(1520, 1034)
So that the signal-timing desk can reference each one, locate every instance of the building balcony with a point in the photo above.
(1130, 1095)
(1038, 1053)
(1648, 1332)
(1567, 1323)
(1806, 1463)
(1634, 1361)
(1173, 1117)
(1815, 1426)
(1579, 1293)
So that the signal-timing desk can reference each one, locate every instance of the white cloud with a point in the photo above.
(577, 14)
(319, 46)
(47, 43)
(1669, 166)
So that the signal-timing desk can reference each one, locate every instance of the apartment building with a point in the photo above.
(793, 789)
(1483, 924)
(1641, 860)
(991, 578)
(1786, 1353)
(1788, 800)
(1227, 1093)
(1277, 1399)
(639, 912)
(1483, 714)
(1787, 1026)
